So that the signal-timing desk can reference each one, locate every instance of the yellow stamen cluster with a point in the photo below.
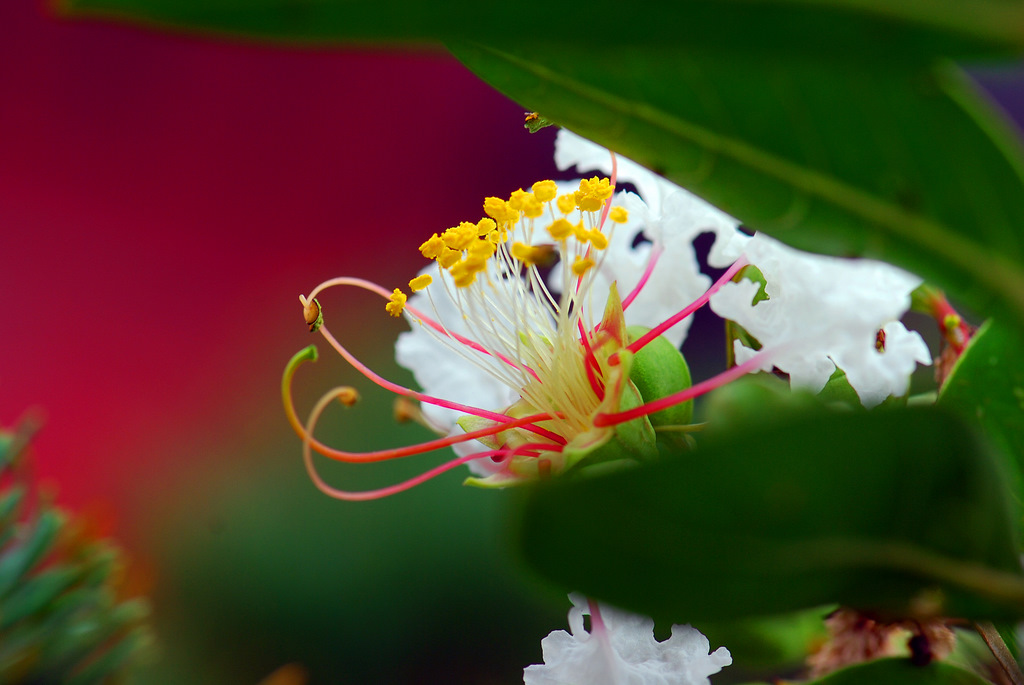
(464, 251)
(592, 193)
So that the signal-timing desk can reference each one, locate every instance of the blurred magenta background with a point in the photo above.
(163, 201)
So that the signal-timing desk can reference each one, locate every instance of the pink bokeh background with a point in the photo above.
(163, 200)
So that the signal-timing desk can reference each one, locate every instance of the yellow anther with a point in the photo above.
(582, 265)
(581, 233)
(494, 237)
(432, 247)
(545, 191)
(535, 255)
(532, 207)
(485, 226)
(348, 395)
(593, 192)
(597, 239)
(601, 188)
(396, 303)
(420, 282)
(498, 209)
(522, 252)
(566, 203)
(588, 203)
(560, 230)
(459, 237)
(619, 215)
(464, 273)
(518, 197)
(406, 410)
(481, 249)
(449, 257)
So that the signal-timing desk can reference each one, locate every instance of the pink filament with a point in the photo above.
(373, 287)
(668, 323)
(429, 399)
(409, 450)
(656, 251)
(307, 455)
(718, 381)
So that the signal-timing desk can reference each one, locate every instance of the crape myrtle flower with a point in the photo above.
(620, 649)
(538, 337)
(545, 334)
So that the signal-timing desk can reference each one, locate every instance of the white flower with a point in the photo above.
(663, 232)
(621, 650)
(825, 312)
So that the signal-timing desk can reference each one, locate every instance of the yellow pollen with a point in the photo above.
(449, 257)
(560, 230)
(498, 209)
(485, 226)
(432, 247)
(619, 215)
(542, 255)
(597, 239)
(396, 303)
(420, 282)
(515, 201)
(464, 273)
(582, 265)
(482, 249)
(459, 237)
(532, 207)
(592, 193)
(581, 233)
(545, 191)
(566, 203)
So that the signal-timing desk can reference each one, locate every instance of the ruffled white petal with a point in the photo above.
(824, 312)
(674, 213)
(624, 653)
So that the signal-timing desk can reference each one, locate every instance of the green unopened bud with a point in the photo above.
(659, 370)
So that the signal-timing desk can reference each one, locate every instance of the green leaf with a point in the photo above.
(833, 25)
(899, 512)
(986, 387)
(770, 644)
(901, 672)
(839, 155)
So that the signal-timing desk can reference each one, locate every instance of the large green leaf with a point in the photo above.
(940, 26)
(899, 672)
(987, 387)
(841, 155)
(894, 511)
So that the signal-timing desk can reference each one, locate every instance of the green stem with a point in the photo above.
(1000, 651)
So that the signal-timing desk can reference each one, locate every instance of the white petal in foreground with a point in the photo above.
(623, 652)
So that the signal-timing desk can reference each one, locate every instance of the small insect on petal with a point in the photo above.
(312, 313)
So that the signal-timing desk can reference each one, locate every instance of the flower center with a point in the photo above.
(521, 281)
